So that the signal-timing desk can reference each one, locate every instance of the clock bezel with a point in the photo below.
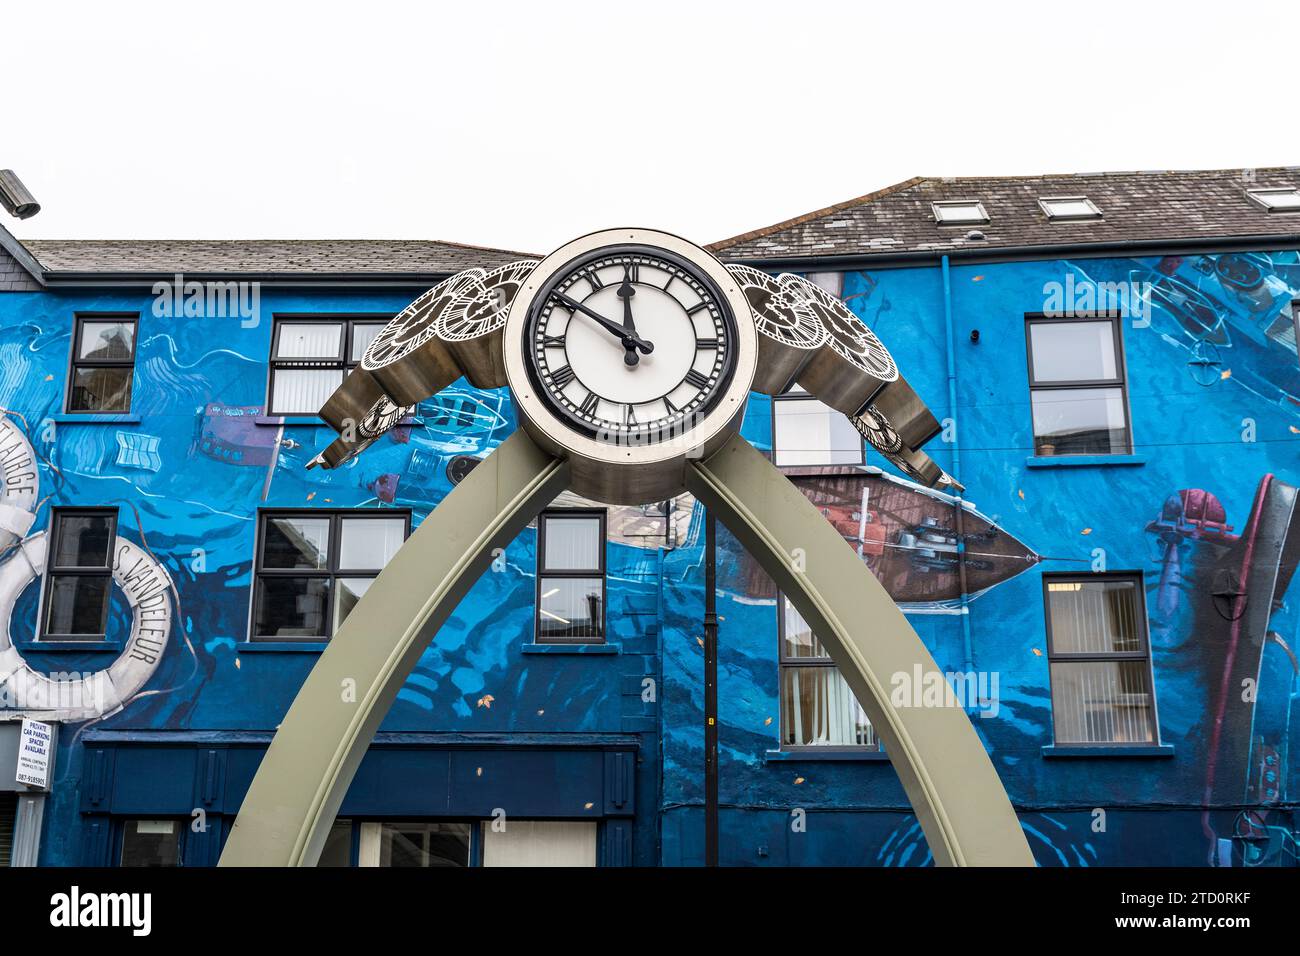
(537, 307)
(605, 470)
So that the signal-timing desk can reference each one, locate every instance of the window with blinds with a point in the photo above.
(1100, 660)
(310, 357)
(8, 816)
(817, 707)
(571, 577)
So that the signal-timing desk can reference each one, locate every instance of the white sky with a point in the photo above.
(523, 125)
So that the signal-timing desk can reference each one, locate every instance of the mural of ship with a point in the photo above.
(914, 539)
(230, 433)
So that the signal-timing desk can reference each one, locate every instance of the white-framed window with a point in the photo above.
(806, 431)
(1285, 199)
(310, 357)
(1069, 208)
(959, 212)
(313, 567)
(1077, 390)
(817, 707)
(1099, 655)
(571, 576)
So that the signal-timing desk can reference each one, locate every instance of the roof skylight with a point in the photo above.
(1286, 199)
(959, 212)
(1069, 208)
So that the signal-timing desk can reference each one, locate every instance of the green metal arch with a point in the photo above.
(955, 792)
(301, 782)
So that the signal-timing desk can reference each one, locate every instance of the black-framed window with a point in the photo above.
(571, 576)
(103, 363)
(1077, 386)
(817, 707)
(1099, 654)
(79, 574)
(806, 431)
(313, 567)
(150, 842)
(310, 357)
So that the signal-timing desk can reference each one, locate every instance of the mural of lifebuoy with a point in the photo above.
(21, 484)
(145, 583)
(147, 587)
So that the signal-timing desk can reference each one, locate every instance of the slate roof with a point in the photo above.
(18, 270)
(1162, 205)
(262, 257)
(1166, 206)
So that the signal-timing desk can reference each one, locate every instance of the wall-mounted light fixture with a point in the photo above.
(15, 197)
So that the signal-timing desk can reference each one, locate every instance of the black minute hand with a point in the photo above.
(612, 327)
(625, 292)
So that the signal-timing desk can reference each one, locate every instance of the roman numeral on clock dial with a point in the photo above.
(563, 376)
(696, 379)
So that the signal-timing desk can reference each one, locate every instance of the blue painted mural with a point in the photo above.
(1203, 509)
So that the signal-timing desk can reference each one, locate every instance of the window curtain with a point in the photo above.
(573, 544)
(310, 341)
(303, 390)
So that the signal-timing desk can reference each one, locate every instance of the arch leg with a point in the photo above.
(950, 781)
(300, 784)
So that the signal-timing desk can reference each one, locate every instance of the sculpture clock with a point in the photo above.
(630, 354)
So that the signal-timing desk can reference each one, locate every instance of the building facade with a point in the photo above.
(1114, 361)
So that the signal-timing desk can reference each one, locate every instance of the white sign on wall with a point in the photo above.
(34, 754)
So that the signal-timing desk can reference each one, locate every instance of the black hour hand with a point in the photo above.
(629, 338)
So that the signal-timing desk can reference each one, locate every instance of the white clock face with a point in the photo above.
(630, 341)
